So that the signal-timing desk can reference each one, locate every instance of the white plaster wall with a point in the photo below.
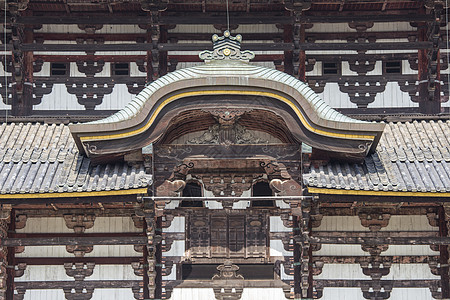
(177, 225)
(342, 294)
(112, 294)
(118, 99)
(44, 295)
(58, 225)
(341, 223)
(113, 272)
(397, 272)
(277, 249)
(60, 251)
(409, 250)
(276, 225)
(393, 97)
(409, 223)
(411, 294)
(59, 99)
(192, 293)
(334, 97)
(262, 294)
(177, 249)
(101, 272)
(340, 250)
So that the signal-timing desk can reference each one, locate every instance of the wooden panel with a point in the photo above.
(236, 236)
(256, 235)
(218, 236)
(199, 236)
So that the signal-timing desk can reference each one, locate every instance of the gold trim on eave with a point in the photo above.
(74, 194)
(226, 92)
(313, 190)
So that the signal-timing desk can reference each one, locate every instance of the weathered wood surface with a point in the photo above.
(381, 240)
(54, 261)
(96, 284)
(80, 241)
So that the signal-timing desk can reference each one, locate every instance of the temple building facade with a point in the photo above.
(156, 149)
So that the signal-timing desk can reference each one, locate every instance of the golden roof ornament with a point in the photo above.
(226, 47)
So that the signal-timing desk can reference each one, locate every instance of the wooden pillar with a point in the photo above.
(288, 55)
(153, 250)
(429, 65)
(5, 218)
(444, 229)
(302, 56)
(11, 256)
(163, 54)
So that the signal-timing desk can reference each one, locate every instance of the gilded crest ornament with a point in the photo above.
(226, 47)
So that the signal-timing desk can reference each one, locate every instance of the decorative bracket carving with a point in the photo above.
(19, 270)
(78, 293)
(79, 222)
(21, 221)
(374, 220)
(79, 251)
(233, 284)
(79, 271)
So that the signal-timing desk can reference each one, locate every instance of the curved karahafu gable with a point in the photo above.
(226, 81)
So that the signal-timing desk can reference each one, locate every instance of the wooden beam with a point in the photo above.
(53, 261)
(444, 255)
(378, 234)
(416, 283)
(81, 241)
(191, 18)
(75, 235)
(381, 240)
(422, 259)
(247, 46)
(94, 284)
(212, 18)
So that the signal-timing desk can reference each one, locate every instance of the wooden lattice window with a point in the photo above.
(393, 67)
(330, 68)
(238, 236)
(120, 69)
(59, 69)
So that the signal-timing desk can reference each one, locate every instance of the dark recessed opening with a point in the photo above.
(121, 69)
(192, 189)
(393, 67)
(330, 68)
(262, 189)
(59, 69)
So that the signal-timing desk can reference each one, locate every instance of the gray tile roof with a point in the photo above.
(238, 70)
(411, 157)
(42, 158)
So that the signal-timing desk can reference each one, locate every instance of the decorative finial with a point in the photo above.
(227, 47)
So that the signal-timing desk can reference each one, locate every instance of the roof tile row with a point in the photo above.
(41, 158)
(411, 157)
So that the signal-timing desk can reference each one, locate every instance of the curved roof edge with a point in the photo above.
(227, 77)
